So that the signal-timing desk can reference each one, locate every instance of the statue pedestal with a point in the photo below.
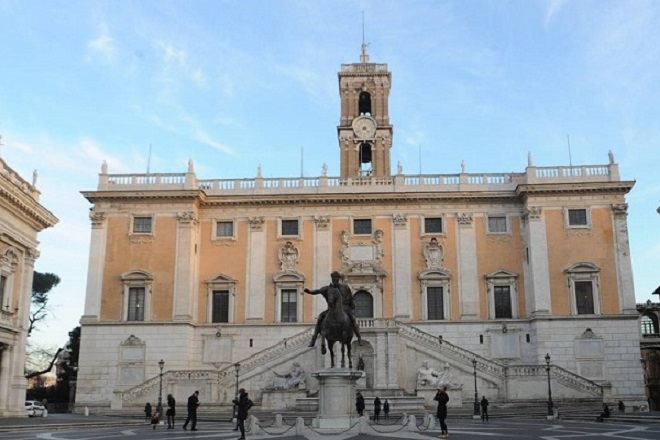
(281, 399)
(454, 392)
(336, 398)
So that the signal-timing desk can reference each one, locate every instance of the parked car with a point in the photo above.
(34, 408)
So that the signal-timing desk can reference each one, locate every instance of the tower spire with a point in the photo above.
(364, 58)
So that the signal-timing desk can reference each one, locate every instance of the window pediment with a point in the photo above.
(220, 279)
(288, 277)
(136, 275)
(583, 267)
(434, 274)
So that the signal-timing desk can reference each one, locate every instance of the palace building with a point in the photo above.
(22, 217)
(475, 274)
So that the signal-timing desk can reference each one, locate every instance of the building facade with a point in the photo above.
(479, 273)
(21, 219)
(649, 313)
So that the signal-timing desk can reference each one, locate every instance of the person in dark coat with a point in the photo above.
(377, 406)
(484, 409)
(442, 398)
(171, 411)
(193, 403)
(243, 403)
(147, 411)
(386, 408)
(359, 404)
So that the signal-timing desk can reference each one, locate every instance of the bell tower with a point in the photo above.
(365, 133)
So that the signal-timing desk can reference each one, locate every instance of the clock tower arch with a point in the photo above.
(364, 131)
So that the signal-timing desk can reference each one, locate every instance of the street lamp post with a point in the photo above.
(237, 369)
(476, 413)
(547, 369)
(159, 407)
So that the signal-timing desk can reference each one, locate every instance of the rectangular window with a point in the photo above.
(502, 296)
(142, 225)
(362, 226)
(577, 217)
(433, 225)
(3, 285)
(289, 227)
(224, 229)
(435, 303)
(289, 305)
(497, 224)
(584, 297)
(135, 304)
(220, 311)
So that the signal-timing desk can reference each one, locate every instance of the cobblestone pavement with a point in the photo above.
(458, 429)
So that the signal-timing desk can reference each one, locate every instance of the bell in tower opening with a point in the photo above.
(364, 103)
(365, 159)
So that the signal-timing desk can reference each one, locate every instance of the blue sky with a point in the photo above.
(234, 84)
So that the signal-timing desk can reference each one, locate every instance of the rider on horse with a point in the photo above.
(347, 303)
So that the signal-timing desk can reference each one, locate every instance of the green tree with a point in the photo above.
(42, 284)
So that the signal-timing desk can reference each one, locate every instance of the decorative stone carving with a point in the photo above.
(400, 220)
(620, 210)
(433, 252)
(322, 222)
(464, 218)
(256, 223)
(532, 213)
(344, 252)
(291, 380)
(187, 217)
(427, 377)
(97, 218)
(378, 246)
(288, 256)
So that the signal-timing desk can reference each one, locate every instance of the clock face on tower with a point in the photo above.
(364, 127)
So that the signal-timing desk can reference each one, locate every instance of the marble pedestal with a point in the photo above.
(336, 398)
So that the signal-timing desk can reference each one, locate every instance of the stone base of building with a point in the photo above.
(281, 399)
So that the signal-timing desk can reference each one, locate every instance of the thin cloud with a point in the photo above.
(103, 46)
(553, 9)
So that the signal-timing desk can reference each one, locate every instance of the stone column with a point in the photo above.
(4, 378)
(468, 288)
(322, 261)
(256, 282)
(625, 284)
(97, 249)
(185, 293)
(537, 285)
(402, 268)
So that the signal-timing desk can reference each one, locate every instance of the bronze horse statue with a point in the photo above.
(337, 328)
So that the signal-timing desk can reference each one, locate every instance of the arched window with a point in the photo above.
(364, 103)
(364, 304)
(649, 324)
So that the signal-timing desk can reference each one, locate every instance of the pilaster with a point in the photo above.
(402, 268)
(97, 249)
(536, 256)
(322, 260)
(184, 269)
(468, 289)
(625, 285)
(254, 302)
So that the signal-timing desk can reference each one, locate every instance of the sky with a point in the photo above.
(148, 85)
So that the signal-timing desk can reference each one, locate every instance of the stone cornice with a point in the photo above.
(140, 196)
(26, 207)
(621, 187)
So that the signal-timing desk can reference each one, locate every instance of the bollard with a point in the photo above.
(86, 411)
(45, 414)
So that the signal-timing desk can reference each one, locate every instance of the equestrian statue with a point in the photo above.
(337, 323)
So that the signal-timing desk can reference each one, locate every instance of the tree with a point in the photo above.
(42, 284)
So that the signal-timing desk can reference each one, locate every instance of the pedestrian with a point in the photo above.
(171, 411)
(155, 419)
(386, 408)
(193, 403)
(243, 403)
(359, 404)
(442, 398)
(622, 406)
(147, 411)
(484, 409)
(377, 406)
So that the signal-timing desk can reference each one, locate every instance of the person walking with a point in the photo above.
(484, 409)
(147, 411)
(442, 398)
(193, 403)
(386, 408)
(377, 406)
(359, 404)
(171, 411)
(243, 403)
